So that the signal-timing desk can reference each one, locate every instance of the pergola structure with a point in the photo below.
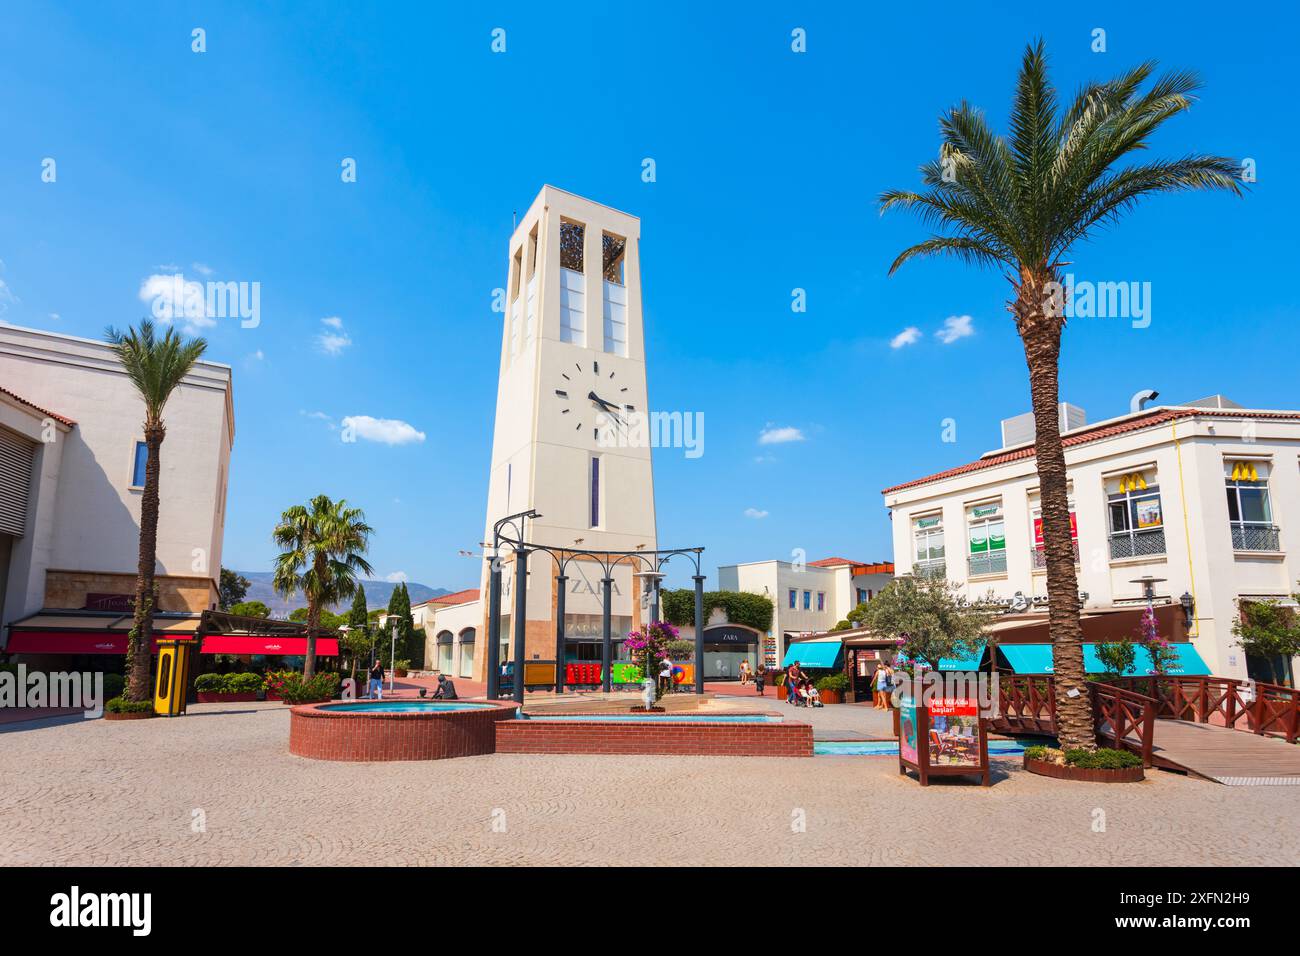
(510, 532)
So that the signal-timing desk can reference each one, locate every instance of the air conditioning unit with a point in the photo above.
(1019, 430)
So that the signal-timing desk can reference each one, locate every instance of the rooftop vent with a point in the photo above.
(1214, 401)
(1020, 429)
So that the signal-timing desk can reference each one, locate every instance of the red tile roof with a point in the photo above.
(1150, 419)
(456, 597)
(831, 563)
(46, 412)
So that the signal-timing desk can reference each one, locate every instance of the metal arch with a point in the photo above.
(653, 561)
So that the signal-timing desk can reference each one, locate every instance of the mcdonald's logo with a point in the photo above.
(1133, 481)
(1244, 471)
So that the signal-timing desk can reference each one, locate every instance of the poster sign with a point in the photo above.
(942, 736)
(1038, 529)
(954, 732)
(1148, 512)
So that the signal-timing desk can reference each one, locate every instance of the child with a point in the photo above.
(814, 696)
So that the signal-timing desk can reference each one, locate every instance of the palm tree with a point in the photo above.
(1018, 204)
(155, 367)
(324, 545)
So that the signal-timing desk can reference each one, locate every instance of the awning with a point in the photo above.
(970, 662)
(814, 654)
(287, 646)
(1037, 659)
(69, 642)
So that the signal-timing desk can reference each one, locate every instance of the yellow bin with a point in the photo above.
(173, 675)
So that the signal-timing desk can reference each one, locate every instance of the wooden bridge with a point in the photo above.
(1214, 727)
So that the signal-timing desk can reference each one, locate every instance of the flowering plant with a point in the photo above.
(649, 648)
(1161, 651)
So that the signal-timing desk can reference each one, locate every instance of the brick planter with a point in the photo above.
(218, 697)
(676, 738)
(323, 734)
(1045, 768)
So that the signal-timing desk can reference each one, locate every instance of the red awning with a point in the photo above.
(69, 642)
(243, 644)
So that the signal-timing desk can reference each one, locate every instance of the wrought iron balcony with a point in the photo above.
(1256, 537)
(990, 562)
(1137, 544)
(1039, 557)
(933, 568)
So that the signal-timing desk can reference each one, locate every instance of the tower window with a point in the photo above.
(595, 492)
(612, 250)
(615, 295)
(572, 237)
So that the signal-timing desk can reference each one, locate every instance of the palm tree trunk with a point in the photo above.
(1041, 336)
(140, 646)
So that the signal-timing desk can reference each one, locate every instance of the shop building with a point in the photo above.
(71, 478)
(1192, 508)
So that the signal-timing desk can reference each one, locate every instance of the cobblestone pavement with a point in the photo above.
(219, 787)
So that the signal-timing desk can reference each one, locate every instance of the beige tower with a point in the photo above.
(572, 357)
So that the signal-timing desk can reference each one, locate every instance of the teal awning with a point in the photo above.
(814, 654)
(971, 662)
(1037, 659)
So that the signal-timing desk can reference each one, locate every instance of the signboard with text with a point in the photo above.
(942, 736)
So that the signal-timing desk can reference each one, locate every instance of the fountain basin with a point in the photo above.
(396, 730)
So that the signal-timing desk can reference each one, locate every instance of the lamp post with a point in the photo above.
(392, 653)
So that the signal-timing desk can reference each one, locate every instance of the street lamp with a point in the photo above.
(392, 654)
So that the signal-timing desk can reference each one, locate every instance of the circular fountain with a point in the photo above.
(363, 730)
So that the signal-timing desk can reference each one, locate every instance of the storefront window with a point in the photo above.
(1136, 517)
(987, 539)
(1250, 512)
(927, 537)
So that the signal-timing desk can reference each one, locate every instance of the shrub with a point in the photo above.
(114, 685)
(244, 683)
(681, 650)
(1103, 758)
(1039, 752)
(836, 682)
(120, 705)
(297, 690)
(210, 683)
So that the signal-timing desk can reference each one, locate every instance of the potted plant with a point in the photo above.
(119, 708)
(649, 649)
(274, 682)
(401, 668)
(832, 688)
(1102, 765)
(228, 688)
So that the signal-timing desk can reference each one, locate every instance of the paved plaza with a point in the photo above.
(219, 787)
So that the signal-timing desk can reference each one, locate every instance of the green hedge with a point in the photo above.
(120, 705)
(1103, 758)
(741, 607)
(229, 683)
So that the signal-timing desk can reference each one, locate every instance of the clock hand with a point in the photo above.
(600, 401)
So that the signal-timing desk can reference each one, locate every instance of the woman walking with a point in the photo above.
(883, 673)
(744, 673)
(760, 677)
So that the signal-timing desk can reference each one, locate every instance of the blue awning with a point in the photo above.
(1037, 659)
(971, 662)
(814, 654)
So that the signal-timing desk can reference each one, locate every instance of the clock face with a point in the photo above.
(588, 398)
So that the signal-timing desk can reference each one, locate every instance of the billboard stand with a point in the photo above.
(942, 737)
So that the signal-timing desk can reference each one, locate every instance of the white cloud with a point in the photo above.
(908, 336)
(755, 513)
(333, 343)
(778, 435)
(202, 268)
(396, 577)
(387, 431)
(172, 298)
(54, 316)
(955, 327)
(258, 356)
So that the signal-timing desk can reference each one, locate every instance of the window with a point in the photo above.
(573, 284)
(572, 239)
(862, 595)
(807, 600)
(1250, 513)
(615, 294)
(987, 537)
(139, 465)
(793, 598)
(516, 267)
(927, 536)
(1037, 556)
(821, 600)
(1136, 519)
(595, 492)
(530, 291)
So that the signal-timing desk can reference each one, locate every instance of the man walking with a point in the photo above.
(375, 688)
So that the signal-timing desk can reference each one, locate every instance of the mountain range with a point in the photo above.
(377, 594)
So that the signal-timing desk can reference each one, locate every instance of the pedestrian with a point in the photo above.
(882, 686)
(760, 676)
(375, 688)
(792, 676)
(744, 673)
(666, 676)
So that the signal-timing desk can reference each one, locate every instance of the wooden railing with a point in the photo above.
(1123, 718)
(1271, 709)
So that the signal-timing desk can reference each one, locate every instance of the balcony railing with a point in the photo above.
(932, 568)
(1137, 544)
(1039, 557)
(1256, 537)
(990, 562)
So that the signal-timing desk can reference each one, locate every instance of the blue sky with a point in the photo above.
(768, 164)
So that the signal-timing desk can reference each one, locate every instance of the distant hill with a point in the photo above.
(377, 594)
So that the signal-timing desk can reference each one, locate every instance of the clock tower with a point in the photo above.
(572, 370)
